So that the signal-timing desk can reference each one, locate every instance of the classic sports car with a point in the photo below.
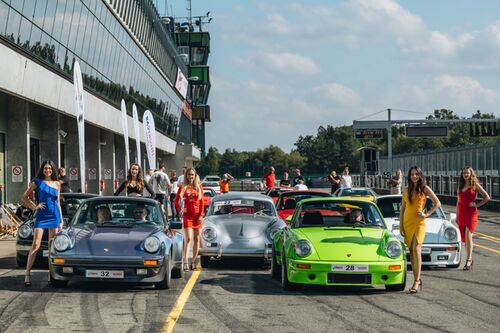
(124, 239)
(69, 204)
(211, 182)
(337, 241)
(287, 201)
(275, 192)
(208, 194)
(364, 193)
(441, 245)
(239, 225)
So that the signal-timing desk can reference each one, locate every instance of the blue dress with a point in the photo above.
(50, 216)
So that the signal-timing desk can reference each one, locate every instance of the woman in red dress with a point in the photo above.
(191, 193)
(468, 188)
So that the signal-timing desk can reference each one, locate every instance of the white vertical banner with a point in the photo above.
(150, 136)
(125, 134)
(137, 131)
(80, 118)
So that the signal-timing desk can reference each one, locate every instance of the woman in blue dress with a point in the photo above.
(48, 209)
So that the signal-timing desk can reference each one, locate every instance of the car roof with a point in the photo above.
(244, 196)
(305, 192)
(123, 199)
(336, 199)
(79, 195)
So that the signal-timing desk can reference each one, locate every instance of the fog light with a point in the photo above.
(67, 270)
(394, 267)
(312, 277)
(384, 277)
(305, 266)
(142, 271)
(442, 257)
(150, 262)
(58, 261)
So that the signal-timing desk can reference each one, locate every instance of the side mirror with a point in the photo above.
(175, 225)
(453, 217)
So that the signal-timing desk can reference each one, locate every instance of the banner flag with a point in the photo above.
(137, 130)
(80, 118)
(150, 136)
(125, 134)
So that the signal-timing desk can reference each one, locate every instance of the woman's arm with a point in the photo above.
(61, 223)
(435, 200)
(26, 200)
(401, 216)
(484, 194)
(119, 189)
(200, 201)
(150, 190)
(177, 199)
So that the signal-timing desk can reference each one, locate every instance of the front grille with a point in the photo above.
(350, 278)
(425, 258)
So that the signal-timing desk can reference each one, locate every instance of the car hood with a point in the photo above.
(111, 241)
(433, 229)
(244, 226)
(359, 197)
(345, 243)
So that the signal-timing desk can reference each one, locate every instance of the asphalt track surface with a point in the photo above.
(241, 296)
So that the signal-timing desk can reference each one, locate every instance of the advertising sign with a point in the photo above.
(150, 136)
(137, 131)
(125, 133)
(80, 118)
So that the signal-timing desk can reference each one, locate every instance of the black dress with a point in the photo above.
(133, 189)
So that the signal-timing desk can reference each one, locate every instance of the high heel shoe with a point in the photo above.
(27, 280)
(468, 267)
(186, 267)
(414, 290)
(194, 264)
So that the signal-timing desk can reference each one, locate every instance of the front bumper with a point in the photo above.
(320, 273)
(216, 249)
(439, 254)
(23, 248)
(75, 269)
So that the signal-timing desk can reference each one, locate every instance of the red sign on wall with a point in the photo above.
(186, 109)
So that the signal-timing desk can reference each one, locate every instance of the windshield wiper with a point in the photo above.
(358, 224)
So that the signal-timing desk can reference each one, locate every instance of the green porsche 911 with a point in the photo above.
(336, 241)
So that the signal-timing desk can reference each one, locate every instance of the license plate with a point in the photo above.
(97, 274)
(349, 268)
(426, 250)
(45, 253)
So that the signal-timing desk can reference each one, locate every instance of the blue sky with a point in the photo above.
(281, 69)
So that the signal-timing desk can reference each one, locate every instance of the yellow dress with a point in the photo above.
(413, 224)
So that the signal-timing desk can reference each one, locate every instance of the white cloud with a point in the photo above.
(289, 63)
(465, 90)
(338, 94)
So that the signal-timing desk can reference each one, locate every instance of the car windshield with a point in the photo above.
(355, 192)
(211, 179)
(337, 214)
(289, 201)
(242, 206)
(69, 206)
(391, 208)
(209, 193)
(107, 212)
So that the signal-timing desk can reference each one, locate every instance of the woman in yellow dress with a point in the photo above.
(412, 217)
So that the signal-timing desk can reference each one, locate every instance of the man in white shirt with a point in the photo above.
(161, 185)
(395, 183)
(345, 179)
(147, 179)
(301, 186)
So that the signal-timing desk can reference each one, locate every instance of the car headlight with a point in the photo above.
(450, 234)
(62, 242)
(208, 234)
(152, 244)
(303, 248)
(25, 231)
(393, 249)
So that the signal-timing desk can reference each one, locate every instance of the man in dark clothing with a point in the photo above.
(297, 177)
(63, 179)
(334, 181)
(285, 182)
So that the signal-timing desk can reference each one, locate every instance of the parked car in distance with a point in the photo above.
(208, 194)
(70, 202)
(117, 239)
(275, 192)
(239, 225)
(338, 241)
(441, 245)
(287, 201)
(364, 193)
(212, 182)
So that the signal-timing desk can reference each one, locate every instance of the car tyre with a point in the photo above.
(177, 272)
(397, 287)
(205, 261)
(275, 268)
(165, 283)
(21, 260)
(287, 285)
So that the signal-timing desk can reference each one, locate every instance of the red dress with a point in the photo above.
(193, 207)
(467, 216)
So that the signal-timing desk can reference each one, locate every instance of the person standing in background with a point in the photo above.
(334, 181)
(224, 183)
(147, 179)
(134, 185)
(468, 188)
(285, 182)
(412, 219)
(298, 176)
(161, 186)
(175, 188)
(345, 179)
(396, 182)
(63, 179)
(269, 178)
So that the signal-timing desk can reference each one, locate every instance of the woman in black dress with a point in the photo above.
(134, 184)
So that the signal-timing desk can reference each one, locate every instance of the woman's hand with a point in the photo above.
(473, 204)
(421, 214)
(41, 205)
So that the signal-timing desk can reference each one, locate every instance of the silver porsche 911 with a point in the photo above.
(239, 225)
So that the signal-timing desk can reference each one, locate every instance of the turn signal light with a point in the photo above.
(150, 262)
(394, 267)
(58, 261)
(306, 266)
(452, 248)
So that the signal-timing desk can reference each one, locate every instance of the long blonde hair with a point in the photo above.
(196, 183)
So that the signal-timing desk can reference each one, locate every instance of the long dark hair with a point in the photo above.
(415, 189)
(473, 178)
(53, 176)
(140, 177)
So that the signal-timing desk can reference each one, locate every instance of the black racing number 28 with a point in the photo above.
(104, 274)
(349, 267)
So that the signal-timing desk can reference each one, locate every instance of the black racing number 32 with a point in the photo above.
(104, 274)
